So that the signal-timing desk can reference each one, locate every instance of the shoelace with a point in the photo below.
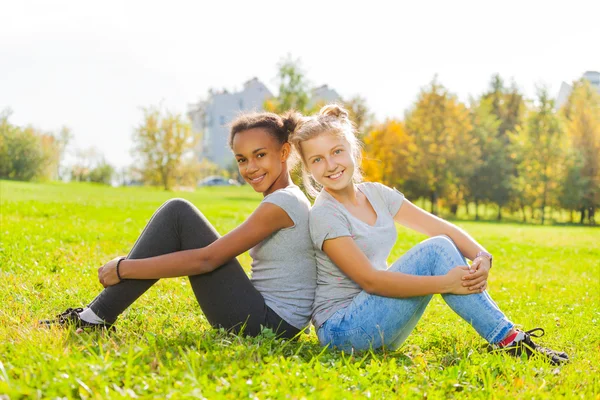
(531, 331)
(68, 312)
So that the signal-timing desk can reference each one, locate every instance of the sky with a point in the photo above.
(92, 66)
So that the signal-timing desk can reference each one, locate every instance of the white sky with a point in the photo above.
(92, 65)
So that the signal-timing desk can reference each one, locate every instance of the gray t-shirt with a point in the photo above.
(284, 266)
(329, 219)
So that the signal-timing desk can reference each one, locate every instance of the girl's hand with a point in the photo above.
(454, 280)
(476, 281)
(107, 274)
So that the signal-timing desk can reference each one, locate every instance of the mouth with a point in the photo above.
(256, 180)
(336, 176)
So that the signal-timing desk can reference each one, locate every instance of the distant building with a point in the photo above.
(323, 94)
(212, 116)
(565, 89)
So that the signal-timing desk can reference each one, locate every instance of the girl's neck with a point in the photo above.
(284, 180)
(347, 195)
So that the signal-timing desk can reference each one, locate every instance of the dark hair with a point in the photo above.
(280, 126)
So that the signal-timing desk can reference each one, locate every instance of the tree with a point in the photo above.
(542, 142)
(293, 88)
(91, 166)
(437, 125)
(480, 185)
(25, 153)
(359, 114)
(160, 143)
(582, 123)
(102, 173)
(508, 106)
(387, 154)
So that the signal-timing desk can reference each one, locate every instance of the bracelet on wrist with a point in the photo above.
(486, 255)
(118, 263)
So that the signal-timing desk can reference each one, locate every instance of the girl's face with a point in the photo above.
(328, 158)
(261, 160)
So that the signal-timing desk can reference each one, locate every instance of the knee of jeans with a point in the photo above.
(446, 243)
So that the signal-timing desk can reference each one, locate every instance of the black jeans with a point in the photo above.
(226, 295)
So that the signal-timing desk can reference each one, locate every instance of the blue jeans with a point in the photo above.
(372, 321)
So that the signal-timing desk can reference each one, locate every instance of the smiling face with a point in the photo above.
(261, 160)
(328, 157)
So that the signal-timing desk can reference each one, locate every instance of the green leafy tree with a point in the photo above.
(25, 153)
(480, 185)
(508, 106)
(294, 89)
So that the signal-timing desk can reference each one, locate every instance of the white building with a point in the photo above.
(212, 116)
(565, 89)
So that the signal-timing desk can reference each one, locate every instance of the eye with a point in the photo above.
(240, 160)
(338, 151)
(316, 160)
(261, 155)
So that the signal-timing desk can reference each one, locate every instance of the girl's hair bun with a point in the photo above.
(291, 121)
(334, 110)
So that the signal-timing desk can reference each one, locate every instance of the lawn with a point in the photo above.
(55, 236)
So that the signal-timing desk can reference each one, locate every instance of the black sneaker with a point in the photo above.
(72, 318)
(524, 344)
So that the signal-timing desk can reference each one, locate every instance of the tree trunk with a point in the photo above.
(499, 217)
(433, 199)
(454, 209)
(571, 216)
(476, 209)
(524, 213)
(582, 220)
(591, 215)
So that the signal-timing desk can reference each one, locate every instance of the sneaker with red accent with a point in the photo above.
(522, 344)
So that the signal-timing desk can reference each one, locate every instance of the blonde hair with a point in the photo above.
(331, 119)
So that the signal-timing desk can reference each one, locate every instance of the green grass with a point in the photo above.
(55, 236)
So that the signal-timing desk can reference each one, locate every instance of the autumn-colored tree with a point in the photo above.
(387, 154)
(582, 123)
(437, 125)
(161, 142)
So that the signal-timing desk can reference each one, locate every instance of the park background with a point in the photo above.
(488, 115)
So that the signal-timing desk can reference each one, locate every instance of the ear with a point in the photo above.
(286, 150)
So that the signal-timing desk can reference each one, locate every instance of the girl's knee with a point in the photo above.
(440, 240)
(444, 244)
(177, 204)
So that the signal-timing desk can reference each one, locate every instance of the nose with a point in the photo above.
(252, 167)
(331, 164)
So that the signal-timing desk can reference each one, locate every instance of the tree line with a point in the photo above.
(525, 157)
